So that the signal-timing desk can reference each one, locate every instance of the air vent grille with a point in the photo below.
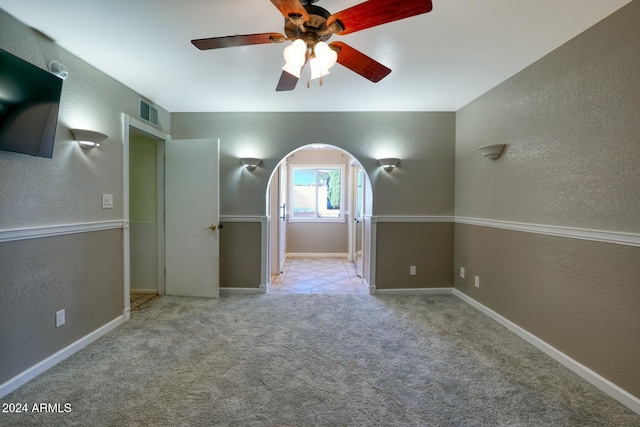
(148, 113)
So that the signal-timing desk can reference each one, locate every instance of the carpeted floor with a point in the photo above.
(314, 360)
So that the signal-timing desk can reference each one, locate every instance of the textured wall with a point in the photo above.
(66, 189)
(240, 255)
(421, 185)
(428, 246)
(81, 273)
(579, 296)
(572, 125)
(424, 142)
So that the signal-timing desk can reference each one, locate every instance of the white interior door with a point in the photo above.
(282, 218)
(357, 209)
(192, 217)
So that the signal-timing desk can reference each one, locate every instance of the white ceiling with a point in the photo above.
(441, 60)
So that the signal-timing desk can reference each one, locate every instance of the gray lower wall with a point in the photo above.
(426, 245)
(321, 237)
(240, 256)
(579, 296)
(81, 273)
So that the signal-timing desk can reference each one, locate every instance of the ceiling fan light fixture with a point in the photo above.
(295, 56)
(323, 59)
(293, 69)
(317, 71)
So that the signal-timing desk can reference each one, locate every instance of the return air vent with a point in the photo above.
(148, 113)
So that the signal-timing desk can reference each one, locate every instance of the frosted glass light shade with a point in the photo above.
(88, 139)
(295, 57)
(492, 152)
(388, 164)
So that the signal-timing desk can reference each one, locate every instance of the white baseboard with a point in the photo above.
(616, 392)
(144, 291)
(239, 291)
(56, 358)
(412, 291)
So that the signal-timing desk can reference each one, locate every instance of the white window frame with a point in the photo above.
(341, 167)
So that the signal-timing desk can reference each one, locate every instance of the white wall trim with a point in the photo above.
(130, 121)
(59, 230)
(58, 357)
(616, 392)
(414, 291)
(412, 218)
(604, 236)
(620, 238)
(227, 290)
(243, 218)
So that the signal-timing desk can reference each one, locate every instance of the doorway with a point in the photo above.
(317, 249)
(143, 212)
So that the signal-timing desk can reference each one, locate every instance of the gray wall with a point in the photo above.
(424, 142)
(572, 125)
(422, 184)
(81, 273)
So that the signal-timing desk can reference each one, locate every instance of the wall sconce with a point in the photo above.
(492, 152)
(388, 164)
(249, 163)
(88, 139)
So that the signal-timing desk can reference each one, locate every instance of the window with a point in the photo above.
(316, 193)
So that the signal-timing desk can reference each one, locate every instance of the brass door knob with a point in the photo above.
(212, 227)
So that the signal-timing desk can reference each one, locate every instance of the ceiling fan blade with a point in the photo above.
(240, 40)
(376, 12)
(360, 63)
(287, 82)
(290, 8)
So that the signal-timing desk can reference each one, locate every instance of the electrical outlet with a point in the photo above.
(107, 201)
(462, 272)
(412, 270)
(477, 282)
(60, 318)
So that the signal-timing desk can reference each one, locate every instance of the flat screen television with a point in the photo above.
(29, 104)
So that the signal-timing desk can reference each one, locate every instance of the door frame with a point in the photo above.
(129, 122)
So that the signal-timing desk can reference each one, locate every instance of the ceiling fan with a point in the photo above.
(310, 26)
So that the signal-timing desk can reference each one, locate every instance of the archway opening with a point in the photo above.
(319, 200)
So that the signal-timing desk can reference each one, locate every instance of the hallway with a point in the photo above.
(308, 275)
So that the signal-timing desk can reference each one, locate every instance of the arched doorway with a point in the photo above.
(315, 221)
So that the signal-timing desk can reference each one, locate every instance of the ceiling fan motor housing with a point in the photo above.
(316, 26)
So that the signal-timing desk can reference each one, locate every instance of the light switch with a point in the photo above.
(107, 201)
